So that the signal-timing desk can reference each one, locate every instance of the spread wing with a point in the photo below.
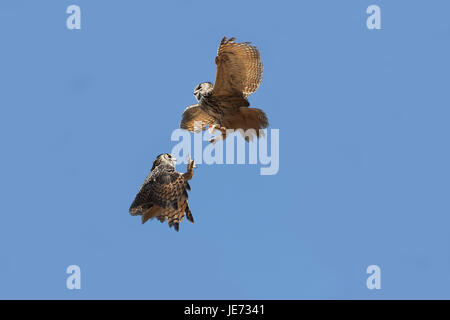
(239, 69)
(194, 114)
(163, 195)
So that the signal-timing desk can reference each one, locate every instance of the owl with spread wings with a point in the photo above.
(163, 195)
(224, 104)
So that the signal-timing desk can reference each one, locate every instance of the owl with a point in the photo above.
(163, 195)
(224, 104)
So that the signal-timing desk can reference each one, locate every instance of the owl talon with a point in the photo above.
(213, 140)
(212, 128)
(190, 164)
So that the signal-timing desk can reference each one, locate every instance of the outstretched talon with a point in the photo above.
(218, 138)
(215, 139)
(223, 135)
(189, 168)
(212, 128)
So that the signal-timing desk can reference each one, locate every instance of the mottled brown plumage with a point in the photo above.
(163, 195)
(224, 105)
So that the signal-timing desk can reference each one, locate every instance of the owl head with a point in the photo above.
(202, 89)
(166, 159)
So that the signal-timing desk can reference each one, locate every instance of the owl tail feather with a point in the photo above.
(151, 213)
(189, 215)
(252, 118)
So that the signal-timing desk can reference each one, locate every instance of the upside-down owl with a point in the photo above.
(224, 105)
(163, 195)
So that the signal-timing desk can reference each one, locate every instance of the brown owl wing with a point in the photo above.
(194, 114)
(239, 69)
(163, 196)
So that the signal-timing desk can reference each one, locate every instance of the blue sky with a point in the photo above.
(364, 154)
